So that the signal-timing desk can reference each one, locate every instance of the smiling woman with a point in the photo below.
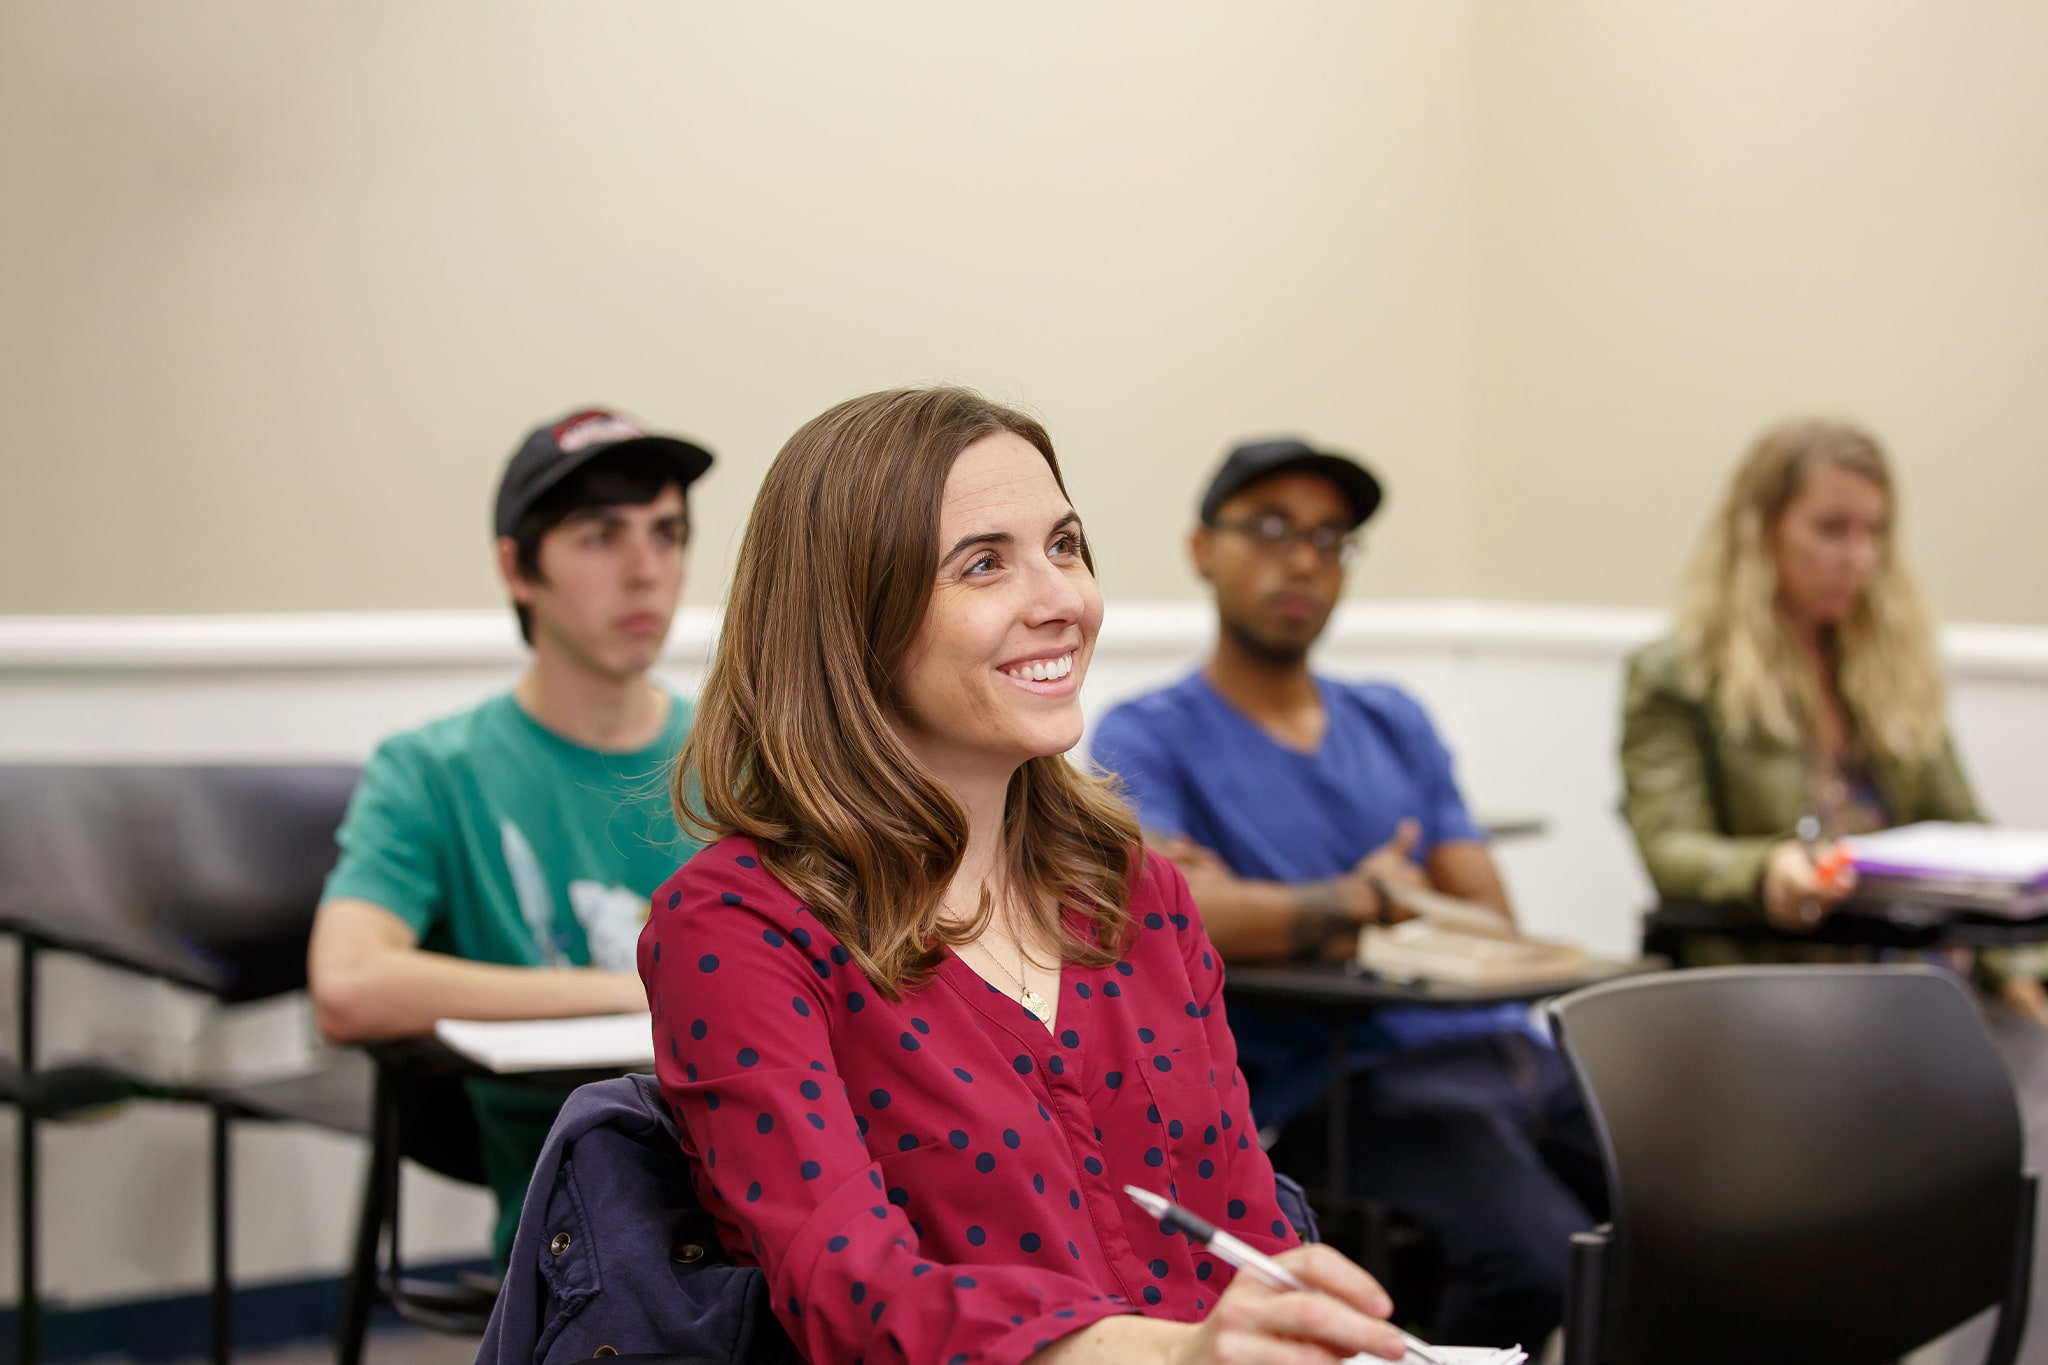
(996, 667)
(907, 552)
(926, 1006)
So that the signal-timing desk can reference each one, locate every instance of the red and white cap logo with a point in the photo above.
(596, 427)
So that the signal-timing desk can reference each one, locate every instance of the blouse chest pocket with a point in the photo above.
(1188, 1130)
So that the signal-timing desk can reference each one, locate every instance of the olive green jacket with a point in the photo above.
(1706, 806)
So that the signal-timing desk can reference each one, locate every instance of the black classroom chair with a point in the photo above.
(1803, 1163)
(236, 859)
(205, 877)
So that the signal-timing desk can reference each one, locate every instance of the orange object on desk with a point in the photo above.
(1831, 866)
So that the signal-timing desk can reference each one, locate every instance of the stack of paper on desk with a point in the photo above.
(1458, 1355)
(1984, 868)
(601, 1042)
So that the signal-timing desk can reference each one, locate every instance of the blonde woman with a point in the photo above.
(926, 1005)
(1801, 681)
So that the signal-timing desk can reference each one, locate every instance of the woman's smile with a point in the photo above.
(1048, 676)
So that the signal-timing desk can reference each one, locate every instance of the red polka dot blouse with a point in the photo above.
(942, 1179)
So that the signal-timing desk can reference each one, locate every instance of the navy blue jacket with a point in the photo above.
(613, 1249)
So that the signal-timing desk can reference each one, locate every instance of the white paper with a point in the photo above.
(1457, 1355)
(1940, 849)
(600, 1042)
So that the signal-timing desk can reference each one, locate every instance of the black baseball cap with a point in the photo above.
(553, 452)
(1248, 464)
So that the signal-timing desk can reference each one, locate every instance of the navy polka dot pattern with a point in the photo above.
(1002, 1147)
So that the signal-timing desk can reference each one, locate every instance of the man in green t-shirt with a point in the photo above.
(497, 864)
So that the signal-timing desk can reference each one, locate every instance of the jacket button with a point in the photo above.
(601, 1352)
(686, 1253)
(559, 1245)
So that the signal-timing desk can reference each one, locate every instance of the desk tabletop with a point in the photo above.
(1513, 825)
(430, 1056)
(1860, 924)
(1325, 988)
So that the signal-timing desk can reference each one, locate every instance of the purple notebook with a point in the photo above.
(1986, 855)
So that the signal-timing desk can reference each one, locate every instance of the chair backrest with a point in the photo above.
(207, 875)
(237, 857)
(65, 877)
(1804, 1163)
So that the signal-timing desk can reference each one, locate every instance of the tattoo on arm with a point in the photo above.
(1320, 918)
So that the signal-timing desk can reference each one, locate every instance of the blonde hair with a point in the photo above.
(792, 746)
(1735, 642)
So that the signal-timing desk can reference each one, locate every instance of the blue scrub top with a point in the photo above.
(1193, 764)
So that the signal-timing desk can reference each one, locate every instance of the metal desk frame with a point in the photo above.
(1341, 994)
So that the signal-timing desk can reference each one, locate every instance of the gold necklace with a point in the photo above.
(1034, 1003)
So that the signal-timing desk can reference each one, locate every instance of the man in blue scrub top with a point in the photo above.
(1285, 797)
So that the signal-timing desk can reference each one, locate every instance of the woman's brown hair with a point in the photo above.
(792, 746)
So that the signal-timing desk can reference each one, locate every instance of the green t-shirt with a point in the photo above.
(499, 841)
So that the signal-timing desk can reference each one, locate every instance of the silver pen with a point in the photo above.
(1808, 830)
(1253, 1262)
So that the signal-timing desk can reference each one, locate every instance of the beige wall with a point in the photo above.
(284, 283)
(1695, 219)
(281, 284)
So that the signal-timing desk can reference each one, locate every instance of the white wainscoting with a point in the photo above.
(1527, 696)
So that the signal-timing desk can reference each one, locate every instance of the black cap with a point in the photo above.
(553, 452)
(1248, 464)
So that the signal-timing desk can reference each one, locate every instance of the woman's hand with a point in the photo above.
(1252, 1325)
(1796, 896)
(1256, 1325)
(2026, 997)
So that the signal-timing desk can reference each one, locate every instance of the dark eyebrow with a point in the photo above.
(969, 542)
(1002, 538)
(616, 512)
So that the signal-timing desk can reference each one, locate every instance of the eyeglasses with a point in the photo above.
(1273, 534)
